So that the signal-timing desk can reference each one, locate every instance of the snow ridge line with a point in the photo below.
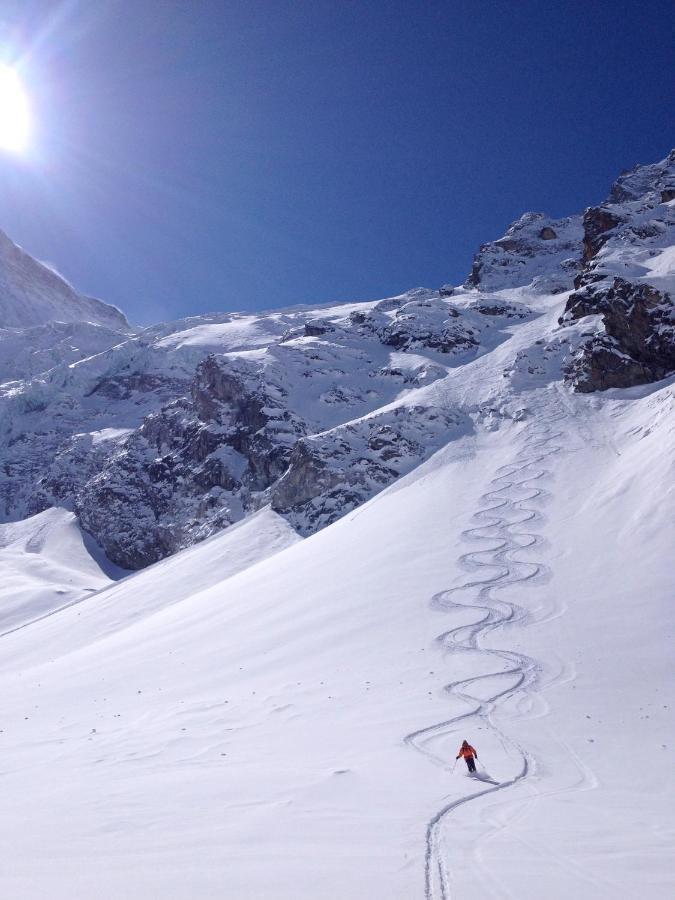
(498, 526)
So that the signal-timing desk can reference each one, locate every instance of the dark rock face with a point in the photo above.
(308, 476)
(317, 328)
(123, 507)
(547, 234)
(632, 228)
(638, 346)
(635, 183)
(191, 469)
(601, 365)
(75, 462)
(490, 307)
(221, 393)
(597, 222)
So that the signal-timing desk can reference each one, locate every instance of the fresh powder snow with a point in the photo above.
(360, 535)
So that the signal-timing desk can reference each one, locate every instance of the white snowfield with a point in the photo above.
(47, 563)
(266, 717)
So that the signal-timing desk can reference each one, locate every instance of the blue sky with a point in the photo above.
(194, 156)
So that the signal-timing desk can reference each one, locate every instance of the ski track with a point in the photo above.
(503, 520)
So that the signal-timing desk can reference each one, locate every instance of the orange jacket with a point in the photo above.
(467, 752)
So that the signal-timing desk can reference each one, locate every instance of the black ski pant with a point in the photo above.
(470, 764)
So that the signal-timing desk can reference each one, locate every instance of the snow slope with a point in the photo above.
(290, 731)
(266, 716)
(47, 562)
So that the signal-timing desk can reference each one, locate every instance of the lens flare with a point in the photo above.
(14, 112)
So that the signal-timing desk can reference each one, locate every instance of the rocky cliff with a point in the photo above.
(626, 279)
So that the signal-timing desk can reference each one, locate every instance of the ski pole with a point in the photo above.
(483, 767)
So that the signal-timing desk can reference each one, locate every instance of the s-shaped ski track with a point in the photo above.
(508, 525)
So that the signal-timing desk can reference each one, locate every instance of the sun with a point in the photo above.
(14, 112)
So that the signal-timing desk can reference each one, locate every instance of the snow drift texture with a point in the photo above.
(260, 715)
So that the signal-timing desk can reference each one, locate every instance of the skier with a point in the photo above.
(467, 751)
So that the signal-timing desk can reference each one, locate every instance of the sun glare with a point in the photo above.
(14, 113)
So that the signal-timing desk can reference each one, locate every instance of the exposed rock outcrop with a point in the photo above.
(638, 345)
(430, 323)
(332, 473)
(192, 468)
(597, 223)
(625, 281)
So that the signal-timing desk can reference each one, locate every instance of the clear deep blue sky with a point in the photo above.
(192, 156)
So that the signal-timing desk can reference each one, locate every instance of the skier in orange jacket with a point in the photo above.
(467, 751)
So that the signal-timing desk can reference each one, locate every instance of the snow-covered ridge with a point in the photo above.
(48, 563)
(34, 294)
(536, 251)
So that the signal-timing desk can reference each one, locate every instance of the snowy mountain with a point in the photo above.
(377, 528)
(161, 438)
(33, 294)
(44, 322)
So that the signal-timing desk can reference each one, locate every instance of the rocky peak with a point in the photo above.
(632, 210)
(626, 279)
(535, 250)
(643, 180)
